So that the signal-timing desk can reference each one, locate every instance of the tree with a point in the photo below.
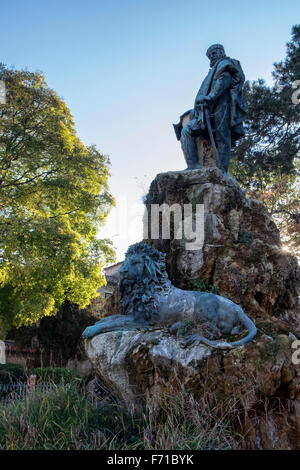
(53, 196)
(266, 161)
(59, 336)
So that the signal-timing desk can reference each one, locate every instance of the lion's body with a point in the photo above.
(149, 299)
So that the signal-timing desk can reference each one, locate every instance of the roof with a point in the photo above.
(112, 273)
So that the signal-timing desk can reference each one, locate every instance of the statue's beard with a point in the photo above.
(217, 59)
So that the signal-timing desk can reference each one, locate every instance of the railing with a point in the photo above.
(16, 391)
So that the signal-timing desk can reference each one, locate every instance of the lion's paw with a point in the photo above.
(191, 340)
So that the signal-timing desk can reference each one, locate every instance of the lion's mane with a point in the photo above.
(139, 297)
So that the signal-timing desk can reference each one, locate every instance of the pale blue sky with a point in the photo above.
(128, 68)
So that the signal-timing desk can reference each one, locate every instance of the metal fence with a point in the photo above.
(16, 391)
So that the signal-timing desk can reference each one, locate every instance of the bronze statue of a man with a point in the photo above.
(218, 112)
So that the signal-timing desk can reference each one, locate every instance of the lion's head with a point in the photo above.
(142, 276)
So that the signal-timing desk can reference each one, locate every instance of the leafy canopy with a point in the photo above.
(266, 162)
(53, 196)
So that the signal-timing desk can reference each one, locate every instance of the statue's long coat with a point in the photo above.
(224, 83)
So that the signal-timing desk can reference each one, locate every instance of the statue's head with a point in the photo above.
(133, 268)
(142, 261)
(215, 53)
(142, 273)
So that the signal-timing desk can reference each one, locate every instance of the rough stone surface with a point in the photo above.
(134, 365)
(243, 258)
(122, 361)
(242, 255)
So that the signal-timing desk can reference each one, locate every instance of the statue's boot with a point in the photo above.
(192, 165)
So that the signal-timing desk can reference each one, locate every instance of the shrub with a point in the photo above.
(202, 285)
(11, 373)
(63, 418)
(66, 418)
(176, 420)
(56, 375)
(245, 237)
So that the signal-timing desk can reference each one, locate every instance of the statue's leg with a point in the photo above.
(223, 142)
(222, 134)
(111, 323)
(189, 148)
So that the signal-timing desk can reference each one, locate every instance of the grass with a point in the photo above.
(66, 418)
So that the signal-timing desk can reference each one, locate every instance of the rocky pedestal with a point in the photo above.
(258, 381)
(241, 258)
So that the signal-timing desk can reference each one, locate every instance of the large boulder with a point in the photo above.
(242, 258)
(242, 255)
(258, 380)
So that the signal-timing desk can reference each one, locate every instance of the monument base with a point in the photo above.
(258, 381)
(241, 259)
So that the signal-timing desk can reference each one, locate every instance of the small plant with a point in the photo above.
(244, 285)
(185, 327)
(202, 285)
(155, 341)
(66, 418)
(245, 237)
(11, 373)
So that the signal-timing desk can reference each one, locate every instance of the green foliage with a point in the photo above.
(266, 161)
(155, 341)
(11, 373)
(60, 336)
(54, 195)
(185, 327)
(65, 419)
(273, 124)
(56, 375)
(202, 285)
(245, 237)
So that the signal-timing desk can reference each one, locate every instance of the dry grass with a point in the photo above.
(66, 418)
(175, 420)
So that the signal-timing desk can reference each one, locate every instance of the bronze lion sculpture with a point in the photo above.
(150, 300)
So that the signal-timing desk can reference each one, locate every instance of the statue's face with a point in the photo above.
(215, 55)
(132, 268)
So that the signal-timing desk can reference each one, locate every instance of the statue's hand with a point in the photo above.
(201, 100)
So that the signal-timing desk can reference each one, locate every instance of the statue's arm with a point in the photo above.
(222, 83)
